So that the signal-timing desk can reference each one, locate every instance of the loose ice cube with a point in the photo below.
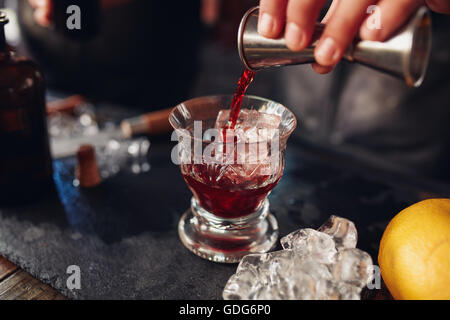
(309, 268)
(353, 266)
(343, 291)
(311, 242)
(257, 271)
(342, 230)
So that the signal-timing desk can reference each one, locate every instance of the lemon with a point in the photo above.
(414, 254)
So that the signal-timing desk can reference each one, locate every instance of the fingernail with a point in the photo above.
(295, 37)
(327, 52)
(265, 25)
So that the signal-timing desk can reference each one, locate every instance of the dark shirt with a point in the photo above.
(377, 116)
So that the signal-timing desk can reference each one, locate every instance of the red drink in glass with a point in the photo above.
(228, 198)
(231, 190)
(229, 216)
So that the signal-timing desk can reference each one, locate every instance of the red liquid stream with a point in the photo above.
(227, 194)
(245, 80)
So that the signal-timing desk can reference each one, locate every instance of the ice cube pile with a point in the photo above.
(252, 126)
(127, 155)
(321, 264)
(81, 123)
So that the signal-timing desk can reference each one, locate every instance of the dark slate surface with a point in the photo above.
(123, 234)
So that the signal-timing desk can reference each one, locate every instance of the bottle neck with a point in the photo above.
(5, 49)
(3, 21)
(3, 44)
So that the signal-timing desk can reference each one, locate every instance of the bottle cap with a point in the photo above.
(3, 18)
(87, 170)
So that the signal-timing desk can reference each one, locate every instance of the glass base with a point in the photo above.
(227, 240)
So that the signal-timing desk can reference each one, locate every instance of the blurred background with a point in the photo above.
(150, 55)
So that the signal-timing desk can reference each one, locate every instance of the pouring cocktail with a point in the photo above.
(230, 172)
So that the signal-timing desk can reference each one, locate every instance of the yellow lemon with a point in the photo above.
(414, 254)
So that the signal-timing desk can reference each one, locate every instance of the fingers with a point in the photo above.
(272, 16)
(330, 11)
(321, 69)
(42, 12)
(301, 18)
(317, 67)
(340, 30)
(343, 21)
(391, 15)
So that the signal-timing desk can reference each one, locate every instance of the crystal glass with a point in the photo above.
(230, 174)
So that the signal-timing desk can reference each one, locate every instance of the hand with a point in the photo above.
(43, 9)
(344, 20)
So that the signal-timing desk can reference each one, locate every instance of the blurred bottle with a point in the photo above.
(25, 163)
(77, 19)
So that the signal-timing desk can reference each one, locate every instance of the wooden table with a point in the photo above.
(16, 284)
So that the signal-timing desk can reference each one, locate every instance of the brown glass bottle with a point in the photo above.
(25, 162)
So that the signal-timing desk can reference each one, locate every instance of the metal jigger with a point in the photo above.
(405, 55)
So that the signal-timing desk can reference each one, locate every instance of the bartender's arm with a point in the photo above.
(344, 20)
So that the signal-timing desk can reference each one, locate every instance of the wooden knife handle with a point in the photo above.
(67, 105)
(152, 123)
